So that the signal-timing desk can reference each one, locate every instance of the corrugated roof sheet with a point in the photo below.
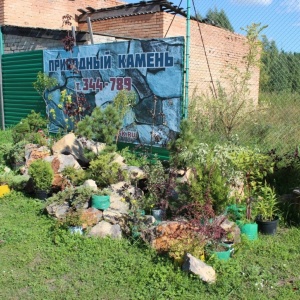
(126, 10)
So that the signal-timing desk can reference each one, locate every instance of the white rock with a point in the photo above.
(200, 268)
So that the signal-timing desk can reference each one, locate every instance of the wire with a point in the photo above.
(172, 20)
(205, 53)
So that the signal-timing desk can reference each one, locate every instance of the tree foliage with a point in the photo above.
(280, 71)
(219, 18)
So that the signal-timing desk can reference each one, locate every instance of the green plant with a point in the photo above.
(105, 171)
(191, 243)
(75, 176)
(231, 103)
(160, 185)
(123, 103)
(266, 204)
(32, 129)
(184, 142)
(42, 174)
(76, 197)
(102, 125)
(133, 158)
(73, 218)
(208, 185)
(16, 153)
(14, 181)
(44, 84)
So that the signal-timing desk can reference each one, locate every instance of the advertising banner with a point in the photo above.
(152, 70)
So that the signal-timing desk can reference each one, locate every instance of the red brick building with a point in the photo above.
(212, 48)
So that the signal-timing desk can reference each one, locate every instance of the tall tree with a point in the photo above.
(219, 18)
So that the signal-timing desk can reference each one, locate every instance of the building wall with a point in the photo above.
(143, 26)
(18, 43)
(46, 13)
(222, 48)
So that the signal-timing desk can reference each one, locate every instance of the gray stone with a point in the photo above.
(112, 216)
(91, 183)
(95, 147)
(149, 220)
(104, 229)
(116, 197)
(135, 173)
(227, 225)
(56, 210)
(200, 268)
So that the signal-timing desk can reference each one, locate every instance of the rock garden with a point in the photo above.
(197, 206)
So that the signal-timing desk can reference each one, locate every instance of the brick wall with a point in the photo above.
(46, 13)
(143, 26)
(222, 47)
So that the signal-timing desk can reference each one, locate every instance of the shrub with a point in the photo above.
(42, 174)
(75, 197)
(105, 171)
(29, 129)
(75, 176)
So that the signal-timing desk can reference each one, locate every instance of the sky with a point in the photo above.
(281, 16)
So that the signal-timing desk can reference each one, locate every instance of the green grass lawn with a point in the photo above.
(38, 261)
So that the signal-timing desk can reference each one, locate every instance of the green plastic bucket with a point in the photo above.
(223, 255)
(250, 230)
(101, 202)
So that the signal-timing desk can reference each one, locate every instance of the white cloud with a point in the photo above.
(291, 5)
(256, 2)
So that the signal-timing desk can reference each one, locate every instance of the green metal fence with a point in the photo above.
(19, 71)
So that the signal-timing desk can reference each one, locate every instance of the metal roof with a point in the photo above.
(131, 9)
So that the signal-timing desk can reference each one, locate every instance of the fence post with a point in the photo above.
(187, 58)
(1, 82)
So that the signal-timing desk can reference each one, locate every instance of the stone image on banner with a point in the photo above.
(151, 69)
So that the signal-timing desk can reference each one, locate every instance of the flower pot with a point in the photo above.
(267, 227)
(250, 230)
(101, 202)
(4, 189)
(159, 214)
(223, 255)
(76, 230)
(41, 194)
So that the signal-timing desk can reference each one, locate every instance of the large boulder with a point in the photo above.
(117, 202)
(104, 229)
(90, 217)
(163, 236)
(70, 145)
(60, 161)
(199, 268)
(34, 152)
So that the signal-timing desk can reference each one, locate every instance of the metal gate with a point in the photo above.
(19, 71)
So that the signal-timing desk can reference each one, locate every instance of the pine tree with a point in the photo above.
(219, 18)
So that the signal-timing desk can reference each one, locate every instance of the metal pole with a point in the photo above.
(90, 30)
(1, 82)
(74, 35)
(187, 58)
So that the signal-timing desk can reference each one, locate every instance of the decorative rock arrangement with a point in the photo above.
(114, 221)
